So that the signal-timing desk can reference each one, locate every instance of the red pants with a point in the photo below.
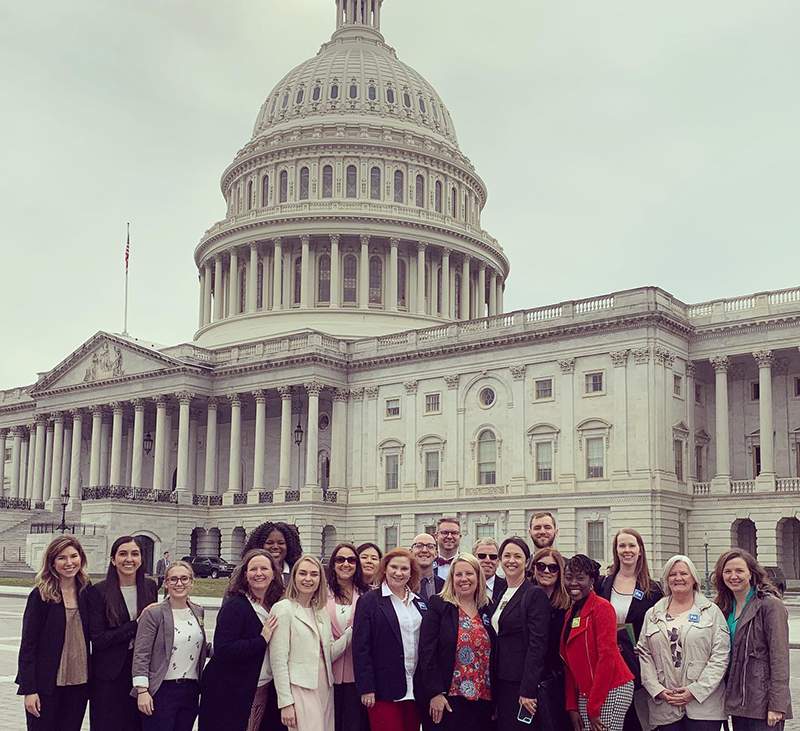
(394, 716)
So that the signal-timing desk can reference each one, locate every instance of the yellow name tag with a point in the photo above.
(576, 622)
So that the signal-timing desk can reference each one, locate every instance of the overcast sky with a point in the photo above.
(624, 143)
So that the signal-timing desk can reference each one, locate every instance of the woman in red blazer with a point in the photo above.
(599, 686)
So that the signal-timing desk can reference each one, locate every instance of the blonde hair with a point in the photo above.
(320, 597)
(448, 593)
(692, 570)
(48, 581)
(179, 564)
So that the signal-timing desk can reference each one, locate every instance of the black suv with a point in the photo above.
(777, 577)
(209, 566)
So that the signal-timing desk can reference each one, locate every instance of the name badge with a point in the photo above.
(638, 594)
(576, 622)
(422, 606)
(486, 621)
(694, 617)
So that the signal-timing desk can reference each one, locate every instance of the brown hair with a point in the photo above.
(758, 579)
(238, 586)
(448, 592)
(542, 514)
(643, 579)
(559, 599)
(48, 581)
(448, 519)
(380, 574)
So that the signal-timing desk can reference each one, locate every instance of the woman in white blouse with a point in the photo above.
(169, 656)
(302, 650)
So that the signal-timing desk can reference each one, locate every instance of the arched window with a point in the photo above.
(274, 103)
(375, 280)
(372, 93)
(401, 283)
(243, 290)
(439, 291)
(334, 91)
(315, 95)
(260, 285)
(324, 286)
(299, 98)
(375, 184)
(407, 100)
(285, 101)
(435, 111)
(487, 458)
(422, 105)
(298, 279)
(284, 186)
(265, 191)
(249, 195)
(399, 186)
(349, 280)
(438, 196)
(420, 194)
(327, 182)
(239, 197)
(352, 181)
(304, 184)
(453, 203)
(390, 95)
(353, 91)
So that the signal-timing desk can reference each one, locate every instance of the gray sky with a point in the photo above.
(624, 143)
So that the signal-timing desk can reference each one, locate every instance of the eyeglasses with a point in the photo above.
(420, 546)
(546, 568)
(449, 532)
(352, 560)
(484, 556)
(175, 580)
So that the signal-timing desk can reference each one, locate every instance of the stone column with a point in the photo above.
(58, 455)
(185, 403)
(28, 461)
(207, 293)
(115, 477)
(39, 457)
(194, 427)
(363, 297)
(252, 279)
(481, 298)
(500, 295)
(465, 295)
(16, 460)
(218, 301)
(410, 418)
(138, 441)
(313, 389)
(105, 445)
(446, 283)
(305, 271)
(235, 461)
(764, 359)
(338, 437)
(260, 441)
(210, 487)
(394, 243)
(620, 360)
(284, 471)
(421, 246)
(336, 297)
(161, 442)
(288, 277)
(48, 460)
(691, 463)
(277, 269)
(201, 306)
(492, 293)
(720, 364)
(3, 437)
(75, 459)
(233, 283)
(567, 478)
(97, 432)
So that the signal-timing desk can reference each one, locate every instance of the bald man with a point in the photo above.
(424, 551)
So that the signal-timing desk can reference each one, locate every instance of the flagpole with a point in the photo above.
(127, 254)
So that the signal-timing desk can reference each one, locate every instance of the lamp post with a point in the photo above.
(708, 582)
(64, 502)
(298, 440)
(147, 443)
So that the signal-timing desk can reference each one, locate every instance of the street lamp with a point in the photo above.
(64, 502)
(708, 582)
(298, 433)
(147, 443)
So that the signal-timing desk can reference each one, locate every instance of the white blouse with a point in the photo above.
(410, 619)
(187, 644)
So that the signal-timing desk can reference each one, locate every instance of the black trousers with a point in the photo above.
(349, 712)
(740, 723)
(690, 724)
(62, 710)
(271, 720)
(175, 707)
(111, 705)
(466, 715)
(506, 693)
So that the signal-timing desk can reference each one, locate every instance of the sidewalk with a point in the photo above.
(207, 602)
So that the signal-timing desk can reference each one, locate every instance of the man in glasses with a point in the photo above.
(543, 532)
(487, 552)
(448, 536)
(423, 550)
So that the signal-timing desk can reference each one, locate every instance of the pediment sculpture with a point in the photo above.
(104, 365)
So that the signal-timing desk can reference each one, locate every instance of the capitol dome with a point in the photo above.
(351, 210)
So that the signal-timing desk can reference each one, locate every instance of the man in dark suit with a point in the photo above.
(487, 552)
(423, 549)
(161, 568)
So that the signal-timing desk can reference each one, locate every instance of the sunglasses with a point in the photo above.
(546, 568)
(484, 556)
(352, 560)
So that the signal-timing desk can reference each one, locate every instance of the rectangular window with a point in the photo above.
(7, 454)
(756, 461)
(432, 469)
(484, 530)
(698, 459)
(698, 393)
(677, 445)
(797, 386)
(755, 391)
(433, 403)
(677, 385)
(392, 407)
(544, 388)
(392, 462)
(594, 458)
(595, 539)
(390, 537)
(544, 461)
(594, 382)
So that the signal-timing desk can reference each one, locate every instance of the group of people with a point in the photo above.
(429, 636)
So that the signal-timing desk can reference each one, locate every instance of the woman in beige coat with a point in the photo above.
(302, 650)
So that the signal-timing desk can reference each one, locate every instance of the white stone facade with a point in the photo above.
(353, 370)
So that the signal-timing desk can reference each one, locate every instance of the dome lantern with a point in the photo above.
(358, 18)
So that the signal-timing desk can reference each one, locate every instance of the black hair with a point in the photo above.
(519, 543)
(333, 580)
(115, 603)
(581, 564)
(259, 535)
(365, 546)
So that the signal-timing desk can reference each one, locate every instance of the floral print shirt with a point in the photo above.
(473, 650)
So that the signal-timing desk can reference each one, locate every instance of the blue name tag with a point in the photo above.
(694, 617)
(486, 621)
(422, 606)
(638, 594)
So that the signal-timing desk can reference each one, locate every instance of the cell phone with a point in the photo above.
(524, 715)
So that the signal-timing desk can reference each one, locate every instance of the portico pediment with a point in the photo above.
(106, 358)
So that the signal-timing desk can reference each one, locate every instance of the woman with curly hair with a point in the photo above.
(282, 540)
(757, 693)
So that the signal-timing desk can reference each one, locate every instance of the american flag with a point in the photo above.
(128, 249)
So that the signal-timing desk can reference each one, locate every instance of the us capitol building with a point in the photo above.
(354, 371)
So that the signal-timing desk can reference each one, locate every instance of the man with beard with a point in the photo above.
(448, 536)
(543, 533)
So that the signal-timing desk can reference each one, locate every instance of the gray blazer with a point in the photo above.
(153, 648)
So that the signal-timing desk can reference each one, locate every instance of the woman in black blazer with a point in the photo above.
(522, 623)
(115, 606)
(385, 648)
(455, 649)
(237, 691)
(632, 593)
(54, 651)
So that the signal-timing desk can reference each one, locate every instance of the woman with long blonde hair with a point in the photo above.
(54, 652)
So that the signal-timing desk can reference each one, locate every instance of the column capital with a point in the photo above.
(236, 399)
(340, 394)
(357, 394)
(232, 251)
(49, 426)
(160, 401)
(285, 392)
(57, 416)
(691, 369)
(421, 246)
(410, 387)
(334, 238)
(364, 238)
(764, 358)
(481, 265)
(185, 397)
(452, 381)
(277, 241)
(663, 357)
(446, 251)
(567, 365)
(371, 392)
(139, 404)
(97, 411)
(260, 395)
(117, 406)
(620, 357)
(305, 239)
(76, 414)
(394, 242)
(3, 435)
(17, 431)
(212, 402)
(39, 419)
(641, 356)
(466, 258)
(517, 372)
(254, 246)
(720, 363)
(313, 388)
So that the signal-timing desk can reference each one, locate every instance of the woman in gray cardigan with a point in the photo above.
(169, 655)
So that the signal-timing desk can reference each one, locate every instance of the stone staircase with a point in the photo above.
(15, 525)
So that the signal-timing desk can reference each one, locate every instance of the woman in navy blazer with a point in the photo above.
(54, 651)
(385, 644)
(455, 648)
